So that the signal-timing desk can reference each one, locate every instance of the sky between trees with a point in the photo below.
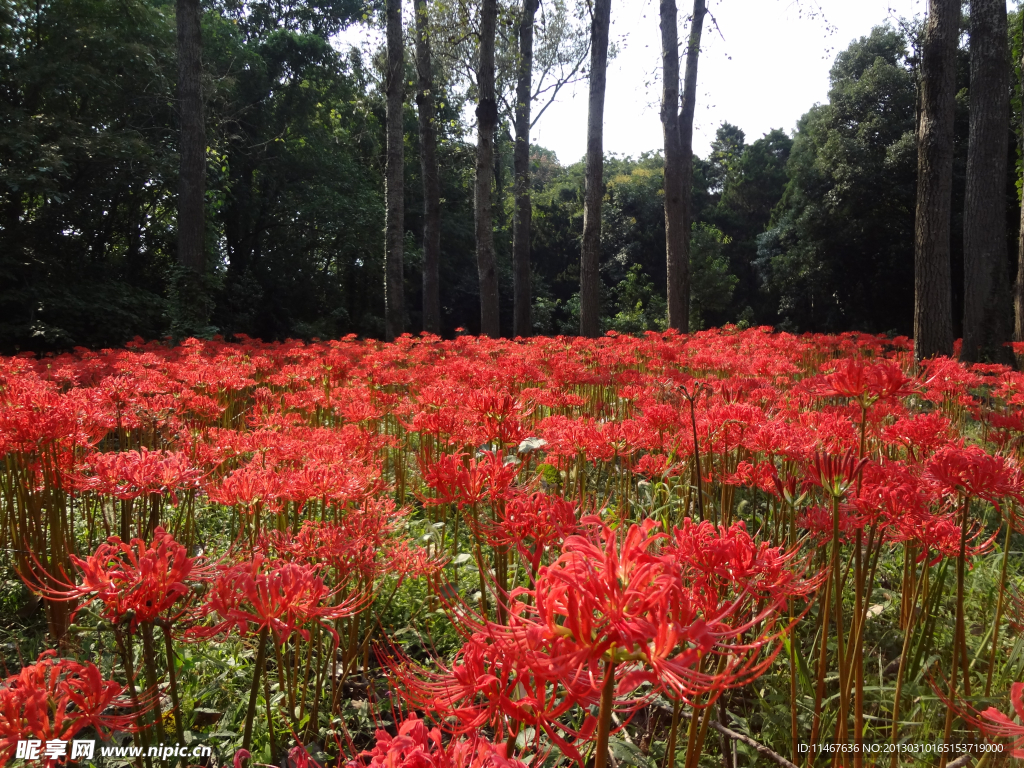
(763, 68)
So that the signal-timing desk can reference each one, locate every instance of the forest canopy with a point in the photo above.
(809, 231)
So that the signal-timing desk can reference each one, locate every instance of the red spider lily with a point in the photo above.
(281, 597)
(817, 520)
(994, 723)
(360, 548)
(131, 474)
(248, 487)
(55, 699)
(972, 472)
(763, 476)
(465, 482)
(416, 746)
(866, 383)
(648, 602)
(947, 381)
(534, 524)
(921, 433)
(834, 474)
(730, 559)
(492, 683)
(136, 582)
(500, 414)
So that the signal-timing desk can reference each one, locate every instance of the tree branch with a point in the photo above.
(761, 749)
(757, 746)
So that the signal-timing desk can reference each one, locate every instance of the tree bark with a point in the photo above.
(486, 121)
(933, 313)
(522, 324)
(192, 169)
(394, 179)
(1018, 289)
(678, 129)
(986, 260)
(590, 278)
(686, 150)
(431, 179)
(676, 267)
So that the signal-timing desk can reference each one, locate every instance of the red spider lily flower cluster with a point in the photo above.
(283, 597)
(56, 699)
(417, 746)
(136, 582)
(866, 383)
(690, 613)
(972, 472)
(131, 474)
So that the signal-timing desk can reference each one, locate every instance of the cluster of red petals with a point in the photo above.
(535, 524)
(56, 699)
(467, 481)
(417, 746)
(283, 597)
(131, 474)
(856, 379)
(970, 471)
(690, 612)
(358, 549)
(136, 582)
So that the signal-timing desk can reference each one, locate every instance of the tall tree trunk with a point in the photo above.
(1018, 290)
(686, 151)
(590, 260)
(986, 262)
(394, 179)
(933, 312)
(486, 121)
(677, 270)
(431, 179)
(192, 170)
(679, 156)
(522, 323)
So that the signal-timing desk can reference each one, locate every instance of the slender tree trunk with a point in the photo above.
(522, 324)
(394, 179)
(676, 267)
(679, 156)
(686, 153)
(933, 313)
(986, 262)
(431, 179)
(590, 278)
(486, 121)
(192, 170)
(1018, 290)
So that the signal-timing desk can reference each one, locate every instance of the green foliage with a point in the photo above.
(751, 187)
(640, 307)
(840, 252)
(190, 304)
(86, 165)
(711, 283)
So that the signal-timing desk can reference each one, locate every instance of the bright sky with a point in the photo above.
(764, 66)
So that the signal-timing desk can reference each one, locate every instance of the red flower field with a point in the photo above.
(668, 550)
